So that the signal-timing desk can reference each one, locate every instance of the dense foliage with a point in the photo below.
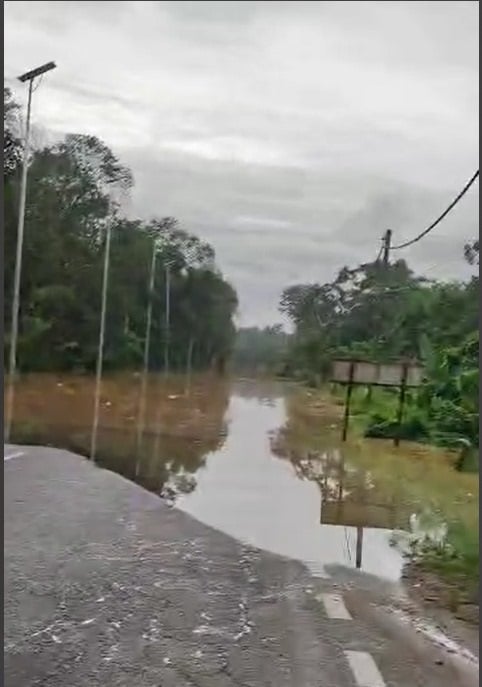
(385, 312)
(76, 189)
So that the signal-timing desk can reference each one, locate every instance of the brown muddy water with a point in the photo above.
(261, 461)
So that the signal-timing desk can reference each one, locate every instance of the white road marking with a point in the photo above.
(364, 669)
(13, 455)
(335, 607)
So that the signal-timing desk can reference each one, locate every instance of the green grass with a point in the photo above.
(457, 563)
(374, 415)
(471, 462)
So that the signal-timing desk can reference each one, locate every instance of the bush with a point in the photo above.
(412, 429)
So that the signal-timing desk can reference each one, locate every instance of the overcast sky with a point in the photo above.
(288, 134)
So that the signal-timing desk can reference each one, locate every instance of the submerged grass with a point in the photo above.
(180, 428)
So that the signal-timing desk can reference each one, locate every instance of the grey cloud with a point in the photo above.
(289, 134)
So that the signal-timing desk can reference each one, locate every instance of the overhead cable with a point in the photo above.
(440, 218)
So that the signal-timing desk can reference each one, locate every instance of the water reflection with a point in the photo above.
(265, 391)
(56, 411)
(349, 498)
(307, 506)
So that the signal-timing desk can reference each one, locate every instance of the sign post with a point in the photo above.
(359, 547)
(349, 389)
(401, 402)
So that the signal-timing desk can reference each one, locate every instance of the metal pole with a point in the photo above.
(18, 272)
(167, 320)
(166, 355)
(401, 403)
(145, 369)
(100, 350)
(347, 402)
(189, 366)
(359, 547)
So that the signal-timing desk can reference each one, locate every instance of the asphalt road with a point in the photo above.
(106, 585)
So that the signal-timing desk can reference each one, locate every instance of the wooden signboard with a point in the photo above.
(359, 516)
(379, 516)
(378, 374)
(402, 374)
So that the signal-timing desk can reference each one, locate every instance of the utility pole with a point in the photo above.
(28, 76)
(387, 240)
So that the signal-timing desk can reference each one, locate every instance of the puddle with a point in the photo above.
(257, 460)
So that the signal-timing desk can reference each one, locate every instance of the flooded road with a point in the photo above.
(259, 461)
(248, 492)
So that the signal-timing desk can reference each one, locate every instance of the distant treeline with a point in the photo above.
(260, 350)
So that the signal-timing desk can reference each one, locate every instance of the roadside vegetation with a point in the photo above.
(437, 506)
(384, 312)
(76, 187)
(380, 313)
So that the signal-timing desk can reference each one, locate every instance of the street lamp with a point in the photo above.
(28, 76)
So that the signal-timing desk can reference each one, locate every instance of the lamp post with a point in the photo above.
(167, 321)
(167, 326)
(27, 77)
(100, 348)
(145, 369)
(110, 224)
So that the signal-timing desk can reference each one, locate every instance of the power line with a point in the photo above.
(440, 218)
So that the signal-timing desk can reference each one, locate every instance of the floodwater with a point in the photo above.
(262, 461)
(249, 492)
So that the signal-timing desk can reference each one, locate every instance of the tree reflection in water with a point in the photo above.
(349, 496)
(56, 411)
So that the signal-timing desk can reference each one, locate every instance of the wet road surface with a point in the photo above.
(107, 585)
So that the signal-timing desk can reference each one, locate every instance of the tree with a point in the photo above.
(76, 189)
(382, 312)
(12, 147)
(471, 252)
